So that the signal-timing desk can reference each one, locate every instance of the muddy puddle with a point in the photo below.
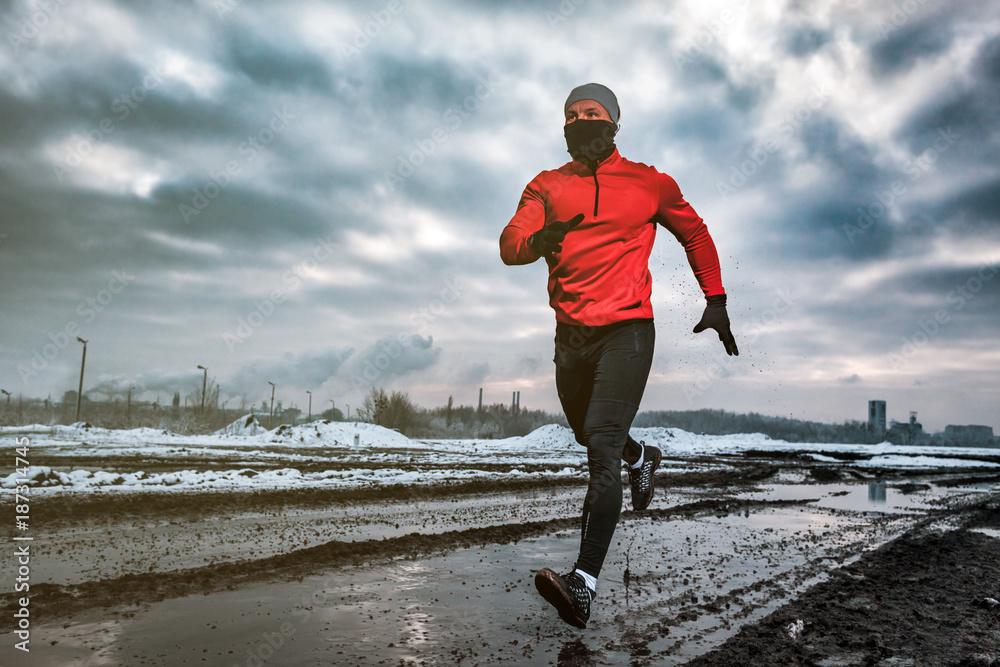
(673, 588)
(89, 553)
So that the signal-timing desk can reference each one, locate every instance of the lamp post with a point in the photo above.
(204, 379)
(310, 413)
(79, 393)
(270, 419)
(128, 408)
(8, 400)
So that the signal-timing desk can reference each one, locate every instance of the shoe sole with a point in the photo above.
(652, 481)
(549, 586)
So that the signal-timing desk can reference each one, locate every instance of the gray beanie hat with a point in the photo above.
(600, 94)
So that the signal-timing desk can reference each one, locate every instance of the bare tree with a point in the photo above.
(395, 410)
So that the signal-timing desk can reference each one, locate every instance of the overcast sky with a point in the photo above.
(311, 194)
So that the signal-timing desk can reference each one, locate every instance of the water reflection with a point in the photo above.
(876, 491)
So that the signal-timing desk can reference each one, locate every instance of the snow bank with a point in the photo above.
(245, 455)
(246, 478)
(245, 425)
(337, 434)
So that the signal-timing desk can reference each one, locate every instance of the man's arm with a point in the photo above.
(529, 218)
(680, 218)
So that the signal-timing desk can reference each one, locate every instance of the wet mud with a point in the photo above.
(927, 598)
(739, 561)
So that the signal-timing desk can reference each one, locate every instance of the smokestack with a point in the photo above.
(480, 399)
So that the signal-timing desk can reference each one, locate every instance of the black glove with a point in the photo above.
(716, 317)
(548, 239)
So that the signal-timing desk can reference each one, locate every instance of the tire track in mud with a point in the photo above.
(68, 509)
(51, 601)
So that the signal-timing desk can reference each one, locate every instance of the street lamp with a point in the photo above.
(204, 378)
(270, 419)
(79, 393)
(310, 413)
(128, 409)
(333, 407)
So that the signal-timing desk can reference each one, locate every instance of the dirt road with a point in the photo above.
(753, 561)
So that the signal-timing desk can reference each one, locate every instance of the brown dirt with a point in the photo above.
(920, 600)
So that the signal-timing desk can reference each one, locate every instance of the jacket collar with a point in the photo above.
(607, 163)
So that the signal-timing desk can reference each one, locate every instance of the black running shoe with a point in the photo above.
(641, 478)
(567, 593)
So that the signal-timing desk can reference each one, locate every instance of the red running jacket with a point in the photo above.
(602, 274)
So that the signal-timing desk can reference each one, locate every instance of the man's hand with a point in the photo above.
(548, 239)
(716, 317)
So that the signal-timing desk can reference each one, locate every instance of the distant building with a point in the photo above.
(969, 435)
(906, 433)
(876, 416)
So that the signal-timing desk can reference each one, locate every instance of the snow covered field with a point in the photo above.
(244, 455)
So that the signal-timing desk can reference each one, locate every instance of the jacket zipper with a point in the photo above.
(597, 190)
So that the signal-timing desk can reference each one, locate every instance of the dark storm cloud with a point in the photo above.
(744, 91)
(978, 206)
(988, 60)
(968, 296)
(307, 369)
(844, 155)
(802, 42)
(352, 118)
(968, 106)
(918, 38)
(276, 66)
(832, 220)
(389, 357)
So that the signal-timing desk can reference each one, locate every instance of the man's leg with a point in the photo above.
(624, 357)
(575, 373)
(600, 383)
(633, 451)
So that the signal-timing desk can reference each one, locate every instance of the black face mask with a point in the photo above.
(590, 141)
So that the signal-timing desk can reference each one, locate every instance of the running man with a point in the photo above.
(593, 220)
